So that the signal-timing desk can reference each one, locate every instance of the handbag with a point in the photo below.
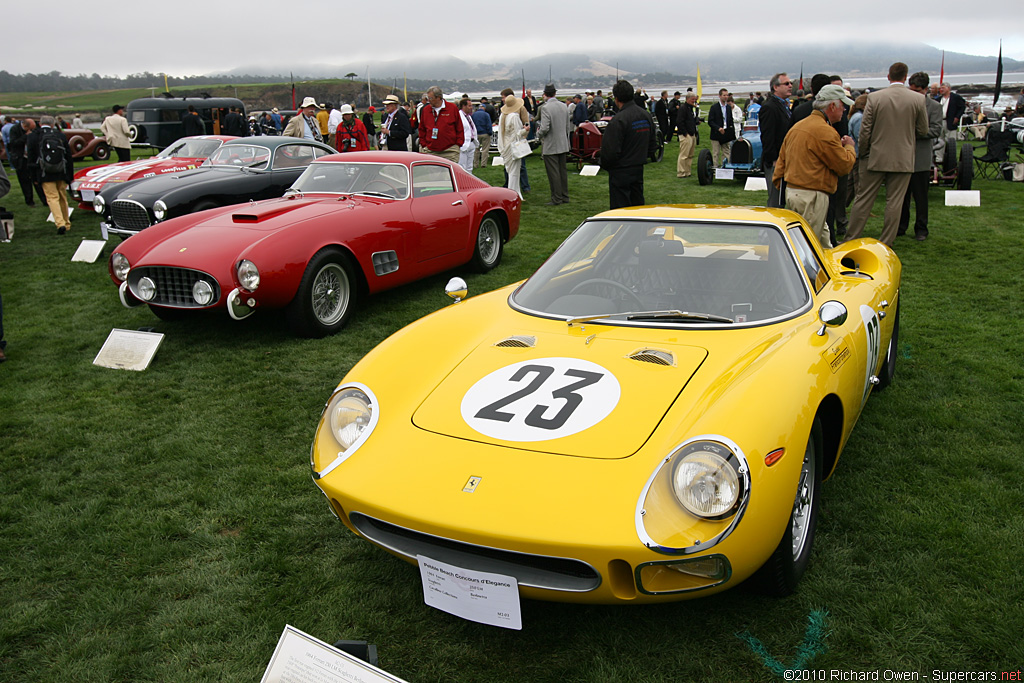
(520, 149)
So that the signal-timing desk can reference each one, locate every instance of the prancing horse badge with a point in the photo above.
(471, 484)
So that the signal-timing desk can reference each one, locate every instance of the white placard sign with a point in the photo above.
(103, 231)
(755, 184)
(49, 219)
(590, 169)
(88, 195)
(128, 350)
(301, 658)
(497, 161)
(724, 174)
(963, 197)
(477, 596)
(88, 251)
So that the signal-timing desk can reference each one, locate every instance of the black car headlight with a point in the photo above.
(159, 210)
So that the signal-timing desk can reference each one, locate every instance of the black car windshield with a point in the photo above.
(662, 272)
(339, 177)
(239, 156)
(190, 148)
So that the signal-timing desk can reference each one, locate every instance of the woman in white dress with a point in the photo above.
(511, 129)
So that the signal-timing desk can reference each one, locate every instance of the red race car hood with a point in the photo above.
(97, 176)
(221, 235)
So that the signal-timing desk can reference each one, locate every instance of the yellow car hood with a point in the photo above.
(569, 392)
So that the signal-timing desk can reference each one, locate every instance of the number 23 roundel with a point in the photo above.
(541, 399)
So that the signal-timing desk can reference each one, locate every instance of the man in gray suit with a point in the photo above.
(554, 136)
(893, 120)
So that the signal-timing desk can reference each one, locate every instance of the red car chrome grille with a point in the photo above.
(173, 285)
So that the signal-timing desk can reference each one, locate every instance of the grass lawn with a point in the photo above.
(162, 525)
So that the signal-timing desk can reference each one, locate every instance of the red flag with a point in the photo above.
(801, 76)
(942, 69)
(524, 84)
(293, 90)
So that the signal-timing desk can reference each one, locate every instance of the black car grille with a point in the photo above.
(538, 571)
(129, 215)
(173, 285)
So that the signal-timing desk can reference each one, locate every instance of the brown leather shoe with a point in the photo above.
(2, 356)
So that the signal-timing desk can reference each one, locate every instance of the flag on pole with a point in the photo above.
(292, 76)
(405, 87)
(801, 75)
(999, 74)
(524, 83)
(166, 89)
(942, 69)
(700, 87)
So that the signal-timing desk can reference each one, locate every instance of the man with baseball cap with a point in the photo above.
(812, 158)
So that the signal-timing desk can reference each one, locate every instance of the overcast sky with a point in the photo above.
(188, 37)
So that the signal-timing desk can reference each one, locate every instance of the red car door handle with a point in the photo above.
(457, 202)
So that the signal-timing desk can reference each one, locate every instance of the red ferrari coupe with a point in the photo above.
(185, 154)
(352, 224)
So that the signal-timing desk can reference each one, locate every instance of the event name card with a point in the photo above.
(128, 350)
(301, 658)
(724, 174)
(477, 596)
(88, 251)
(590, 169)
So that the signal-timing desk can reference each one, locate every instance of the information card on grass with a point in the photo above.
(477, 596)
(301, 658)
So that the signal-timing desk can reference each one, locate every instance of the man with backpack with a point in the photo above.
(49, 156)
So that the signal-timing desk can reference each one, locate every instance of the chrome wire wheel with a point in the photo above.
(804, 503)
(487, 240)
(330, 294)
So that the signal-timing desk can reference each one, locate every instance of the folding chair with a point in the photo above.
(998, 142)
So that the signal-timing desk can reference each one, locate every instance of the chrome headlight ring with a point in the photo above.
(159, 210)
(99, 204)
(715, 445)
(350, 416)
(119, 265)
(248, 275)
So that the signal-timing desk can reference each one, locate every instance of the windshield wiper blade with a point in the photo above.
(371, 193)
(681, 315)
(650, 315)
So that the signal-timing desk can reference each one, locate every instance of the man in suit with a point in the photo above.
(893, 120)
(554, 137)
(722, 130)
(921, 176)
(396, 129)
(953, 107)
(774, 120)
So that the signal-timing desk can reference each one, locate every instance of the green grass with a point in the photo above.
(162, 526)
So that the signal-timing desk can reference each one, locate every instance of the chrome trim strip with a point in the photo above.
(479, 562)
(699, 546)
(342, 457)
(640, 584)
(242, 311)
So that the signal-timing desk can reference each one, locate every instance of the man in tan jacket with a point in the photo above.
(115, 129)
(893, 120)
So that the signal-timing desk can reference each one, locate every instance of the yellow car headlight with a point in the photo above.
(706, 483)
(348, 419)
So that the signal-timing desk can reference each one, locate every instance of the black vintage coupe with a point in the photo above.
(242, 169)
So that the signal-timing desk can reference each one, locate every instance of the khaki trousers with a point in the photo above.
(451, 154)
(813, 206)
(483, 152)
(57, 199)
(868, 184)
(684, 164)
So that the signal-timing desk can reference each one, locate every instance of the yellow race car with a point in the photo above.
(648, 417)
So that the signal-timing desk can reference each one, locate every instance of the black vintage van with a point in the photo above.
(156, 121)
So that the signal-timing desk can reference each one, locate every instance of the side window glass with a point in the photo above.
(293, 156)
(431, 179)
(812, 267)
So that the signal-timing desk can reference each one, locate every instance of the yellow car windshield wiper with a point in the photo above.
(651, 315)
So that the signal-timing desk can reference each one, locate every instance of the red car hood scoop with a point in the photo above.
(255, 213)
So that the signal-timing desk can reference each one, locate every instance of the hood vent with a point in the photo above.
(654, 356)
(518, 341)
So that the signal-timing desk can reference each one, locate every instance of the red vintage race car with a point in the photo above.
(351, 225)
(186, 153)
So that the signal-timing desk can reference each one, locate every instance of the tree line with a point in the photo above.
(56, 81)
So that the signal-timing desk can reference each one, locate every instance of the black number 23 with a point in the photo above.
(536, 417)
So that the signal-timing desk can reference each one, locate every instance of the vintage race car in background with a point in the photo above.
(183, 155)
(351, 225)
(240, 170)
(648, 417)
(585, 143)
(744, 156)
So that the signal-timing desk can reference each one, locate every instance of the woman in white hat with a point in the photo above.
(510, 131)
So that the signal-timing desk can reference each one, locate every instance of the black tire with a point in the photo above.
(169, 315)
(489, 246)
(888, 371)
(949, 161)
(782, 572)
(965, 169)
(326, 296)
(102, 152)
(705, 168)
(660, 153)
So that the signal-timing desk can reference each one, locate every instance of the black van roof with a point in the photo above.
(183, 102)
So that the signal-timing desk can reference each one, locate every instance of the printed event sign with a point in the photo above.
(724, 173)
(128, 350)
(301, 658)
(476, 596)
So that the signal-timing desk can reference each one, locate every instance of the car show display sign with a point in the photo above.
(963, 197)
(89, 250)
(590, 170)
(724, 174)
(49, 219)
(128, 350)
(301, 658)
(755, 184)
(473, 595)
